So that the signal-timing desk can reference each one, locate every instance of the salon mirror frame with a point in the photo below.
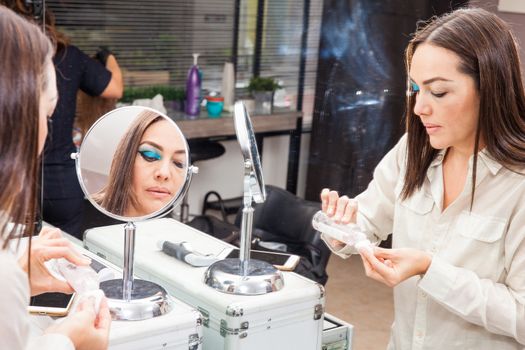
(177, 198)
(245, 276)
(248, 145)
(130, 299)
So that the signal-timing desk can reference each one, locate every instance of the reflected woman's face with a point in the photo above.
(159, 168)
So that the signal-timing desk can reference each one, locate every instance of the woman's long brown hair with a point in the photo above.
(24, 52)
(489, 54)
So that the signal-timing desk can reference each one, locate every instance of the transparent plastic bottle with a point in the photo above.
(82, 278)
(346, 233)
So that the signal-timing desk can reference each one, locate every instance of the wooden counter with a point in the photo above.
(213, 127)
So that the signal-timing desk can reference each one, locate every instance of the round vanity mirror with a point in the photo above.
(133, 165)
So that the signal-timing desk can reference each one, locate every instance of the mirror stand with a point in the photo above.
(245, 276)
(127, 144)
(129, 299)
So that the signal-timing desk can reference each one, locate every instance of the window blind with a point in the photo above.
(154, 40)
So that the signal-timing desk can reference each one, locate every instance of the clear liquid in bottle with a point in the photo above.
(349, 234)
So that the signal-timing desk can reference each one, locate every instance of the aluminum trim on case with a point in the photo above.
(340, 345)
(318, 311)
(101, 255)
(234, 331)
(224, 327)
(337, 334)
(234, 311)
(205, 316)
(321, 290)
(194, 341)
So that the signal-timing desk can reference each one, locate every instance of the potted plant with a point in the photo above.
(262, 89)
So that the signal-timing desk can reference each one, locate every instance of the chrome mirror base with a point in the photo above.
(258, 277)
(147, 300)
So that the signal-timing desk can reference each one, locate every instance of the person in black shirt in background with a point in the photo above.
(63, 197)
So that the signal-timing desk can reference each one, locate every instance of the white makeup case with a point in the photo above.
(291, 318)
(179, 329)
(337, 334)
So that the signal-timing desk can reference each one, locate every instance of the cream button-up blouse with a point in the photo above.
(473, 294)
(14, 317)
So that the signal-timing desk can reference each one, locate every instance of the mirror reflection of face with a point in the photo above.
(159, 168)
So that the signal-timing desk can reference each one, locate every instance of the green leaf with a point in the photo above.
(262, 84)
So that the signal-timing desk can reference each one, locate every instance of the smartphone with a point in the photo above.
(51, 304)
(281, 261)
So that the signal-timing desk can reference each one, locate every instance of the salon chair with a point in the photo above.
(225, 206)
(200, 149)
(282, 223)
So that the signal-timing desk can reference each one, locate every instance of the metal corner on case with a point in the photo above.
(318, 311)
(194, 341)
(205, 319)
(234, 311)
(241, 331)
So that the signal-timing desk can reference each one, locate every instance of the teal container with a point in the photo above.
(214, 106)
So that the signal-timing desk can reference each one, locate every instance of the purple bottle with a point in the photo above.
(193, 89)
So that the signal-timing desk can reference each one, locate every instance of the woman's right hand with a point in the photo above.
(49, 245)
(86, 329)
(342, 209)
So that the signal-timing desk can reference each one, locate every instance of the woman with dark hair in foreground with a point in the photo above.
(28, 96)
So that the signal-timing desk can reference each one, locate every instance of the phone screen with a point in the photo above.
(55, 300)
(270, 257)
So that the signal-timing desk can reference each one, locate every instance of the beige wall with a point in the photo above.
(516, 21)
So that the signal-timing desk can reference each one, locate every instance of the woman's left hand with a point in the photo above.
(50, 244)
(393, 266)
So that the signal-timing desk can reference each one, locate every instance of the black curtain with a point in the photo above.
(360, 89)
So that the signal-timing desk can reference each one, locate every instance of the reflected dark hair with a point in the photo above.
(24, 53)
(117, 196)
(58, 39)
(489, 54)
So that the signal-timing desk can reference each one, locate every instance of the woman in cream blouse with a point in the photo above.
(452, 192)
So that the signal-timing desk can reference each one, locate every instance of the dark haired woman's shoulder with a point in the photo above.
(395, 159)
(403, 139)
(66, 54)
(71, 53)
(401, 148)
(516, 170)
